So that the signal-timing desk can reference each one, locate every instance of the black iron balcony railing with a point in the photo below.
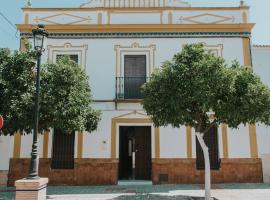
(129, 87)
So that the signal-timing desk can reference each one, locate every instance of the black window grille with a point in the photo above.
(211, 141)
(63, 150)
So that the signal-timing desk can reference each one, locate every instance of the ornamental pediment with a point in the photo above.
(134, 3)
(132, 115)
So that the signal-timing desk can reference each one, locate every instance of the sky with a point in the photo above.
(11, 9)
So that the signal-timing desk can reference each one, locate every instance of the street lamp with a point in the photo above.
(39, 35)
(211, 115)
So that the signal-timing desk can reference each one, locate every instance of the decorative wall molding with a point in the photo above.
(135, 13)
(135, 48)
(207, 18)
(63, 19)
(143, 28)
(216, 49)
(127, 119)
(245, 17)
(68, 48)
(261, 46)
(61, 35)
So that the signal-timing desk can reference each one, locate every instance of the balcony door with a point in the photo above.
(134, 75)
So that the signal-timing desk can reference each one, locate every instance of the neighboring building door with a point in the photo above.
(63, 150)
(211, 141)
(134, 75)
(135, 152)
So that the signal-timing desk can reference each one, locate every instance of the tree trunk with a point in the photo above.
(207, 166)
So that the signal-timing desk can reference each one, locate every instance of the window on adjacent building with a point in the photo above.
(211, 141)
(134, 75)
(63, 150)
(73, 57)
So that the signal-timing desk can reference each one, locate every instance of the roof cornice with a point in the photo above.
(141, 28)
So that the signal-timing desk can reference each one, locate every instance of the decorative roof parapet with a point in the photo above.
(134, 4)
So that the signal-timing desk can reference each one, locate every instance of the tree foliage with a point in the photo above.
(65, 95)
(183, 90)
(16, 90)
(66, 98)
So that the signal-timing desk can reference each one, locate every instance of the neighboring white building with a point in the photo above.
(119, 43)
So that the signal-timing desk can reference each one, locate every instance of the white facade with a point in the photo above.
(102, 32)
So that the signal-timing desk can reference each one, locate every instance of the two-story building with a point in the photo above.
(119, 43)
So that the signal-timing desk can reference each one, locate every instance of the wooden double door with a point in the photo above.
(135, 152)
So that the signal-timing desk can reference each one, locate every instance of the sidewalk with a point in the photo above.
(151, 192)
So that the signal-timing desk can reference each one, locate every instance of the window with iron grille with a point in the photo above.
(211, 141)
(63, 150)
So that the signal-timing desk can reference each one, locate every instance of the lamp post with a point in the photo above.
(39, 35)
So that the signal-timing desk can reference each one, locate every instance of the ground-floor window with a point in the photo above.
(63, 150)
(211, 141)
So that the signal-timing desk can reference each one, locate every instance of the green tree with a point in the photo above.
(16, 90)
(196, 83)
(66, 98)
(65, 95)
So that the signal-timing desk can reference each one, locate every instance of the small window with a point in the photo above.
(73, 57)
(211, 141)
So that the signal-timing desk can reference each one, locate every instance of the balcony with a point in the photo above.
(129, 88)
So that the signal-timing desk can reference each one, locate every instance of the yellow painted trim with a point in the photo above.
(46, 144)
(17, 145)
(80, 145)
(26, 18)
(132, 9)
(251, 127)
(22, 45)
(191, 19)
(157, 143)
(48, 19)
(114, 123)
(246, 51)
(170, 18)
(99, 18)
(224, 129)
(135, 112)
(245, 18)
(253, 141)
(108, 17)
(161, 18)
(189, 141)
(68, 47)
(113, 139)
(89, 28)
(148, 50)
